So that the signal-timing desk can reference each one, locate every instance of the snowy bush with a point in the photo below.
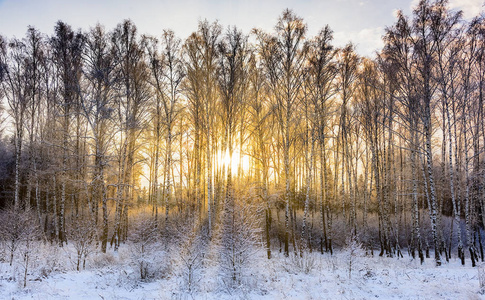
(3, 250)
(49, 259)
(367, 272)
(238, 242)
(332, 262)
(304, 263)
(81, 235)
(27, 250)
(190, 258)
(352, 254)
(19, 231)
(143, 244)
(101, 260)
(18, 227)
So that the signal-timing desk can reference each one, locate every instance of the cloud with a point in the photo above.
(470, 8)
(413, 4)
(367, 41)
(345, 17)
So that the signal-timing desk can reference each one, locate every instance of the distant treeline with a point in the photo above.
(310, 143)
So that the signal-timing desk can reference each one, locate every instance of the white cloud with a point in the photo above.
(367, 41)
(470, 8)
(413, 4)
(345, 17)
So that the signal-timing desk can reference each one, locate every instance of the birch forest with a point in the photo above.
(275, 141)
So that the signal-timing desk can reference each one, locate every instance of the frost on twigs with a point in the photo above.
(18, 232)
(82, 235)
(102, 260)
(145, 247)
(18, 227)
(353, 254)
(190, 250)
(301, 263)
(238, 237)
(50, 260)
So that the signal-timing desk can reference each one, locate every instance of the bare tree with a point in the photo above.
(201, 88)
(67, 50)
(167, 74)
(233, 56)
(35, 47)
(144, 239)
(15, 89)
(399, 51)
(283, 56)
(82, 235)
(348, 62)
(98, 108)
(321, 76)
(132, 96)
(260, 113)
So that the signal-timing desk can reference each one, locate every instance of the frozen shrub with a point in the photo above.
(49, 259)
(101, 260)
(19, 231)
(143, 243)
(301, 263)
(19, 227)
(81, 234)
(238, 242)
(190, 255)
(367, 272)
(353, 253)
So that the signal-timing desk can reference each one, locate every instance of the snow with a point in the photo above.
(315, 276)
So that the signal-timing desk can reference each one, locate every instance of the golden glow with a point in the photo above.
(223, 159)
(145, 176)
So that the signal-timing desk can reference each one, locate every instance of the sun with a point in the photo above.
(235, 162)
(221, 160)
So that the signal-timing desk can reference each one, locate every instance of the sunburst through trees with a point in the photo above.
(240, 139)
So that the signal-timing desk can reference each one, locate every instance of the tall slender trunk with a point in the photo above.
(455, 203)
(18, 153)
(432, 189)
(54, 207)
(168, 178)
(308, 189)
(468, 216)
(286, 162)
(120, 191)
(156, 186)
(323, 193)
(209, 171)
(415, 209)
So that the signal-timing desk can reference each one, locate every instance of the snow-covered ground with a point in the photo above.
(114, 276)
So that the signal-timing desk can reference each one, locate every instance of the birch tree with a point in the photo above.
(132, 96)
(14, 86)
(283, 56)
(67, 47)
(98, 109)
(232, 74)
(321, 76)
(201, 87)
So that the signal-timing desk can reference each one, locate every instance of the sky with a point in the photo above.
(361, 21)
